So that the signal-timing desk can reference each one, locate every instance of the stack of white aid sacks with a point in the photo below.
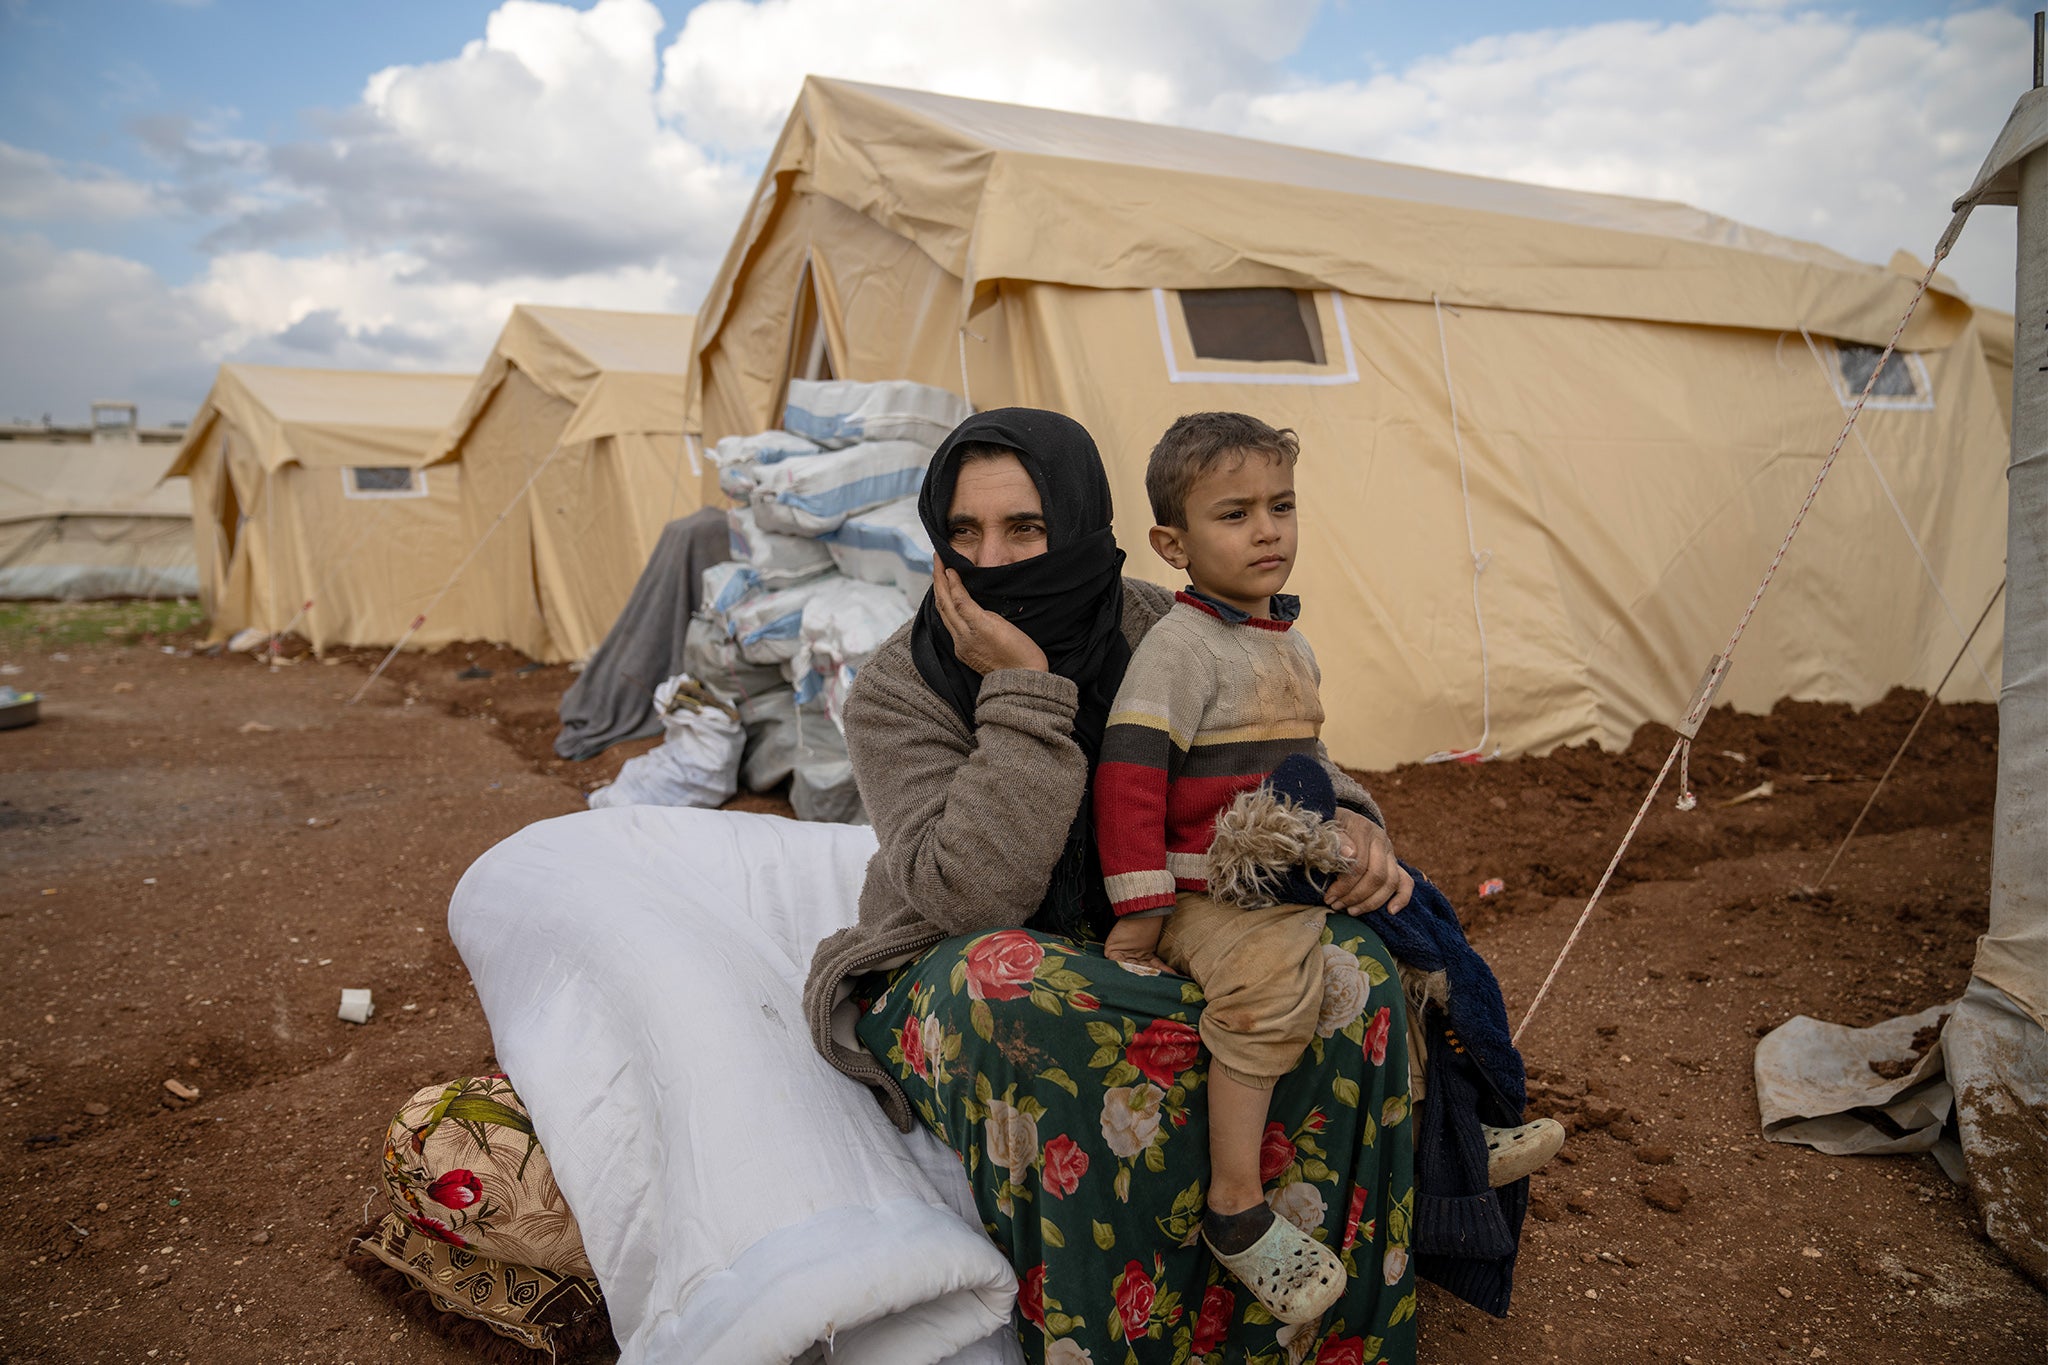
(829, 560)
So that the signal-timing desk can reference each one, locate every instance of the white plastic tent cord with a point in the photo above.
(467, 559)
(270, 558)
(1480, 559)
(1932, 578)
(1904, 744)
(675, 488)
(1721, 661)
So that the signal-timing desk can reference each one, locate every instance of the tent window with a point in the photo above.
(384, 481)
(1901, 379)
(1259, 325)
(1903, 382)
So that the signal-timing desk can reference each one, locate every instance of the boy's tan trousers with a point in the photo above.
(1263, 973)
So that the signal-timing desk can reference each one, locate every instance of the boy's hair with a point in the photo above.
(1192, 446)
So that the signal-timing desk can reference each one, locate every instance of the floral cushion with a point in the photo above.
(477, 1221)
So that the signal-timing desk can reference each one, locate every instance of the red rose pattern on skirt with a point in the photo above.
(1071, 1089)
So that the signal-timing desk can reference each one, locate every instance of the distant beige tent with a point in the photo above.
(583, 411)
(1643, 392)
(82, 514)
(312, 507)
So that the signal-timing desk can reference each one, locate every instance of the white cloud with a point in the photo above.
(537, 150)
(389, 309)
(1809, 124)
(733, 72)
(82, 325)
(35, 188)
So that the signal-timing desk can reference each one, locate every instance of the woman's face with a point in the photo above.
(996, 516)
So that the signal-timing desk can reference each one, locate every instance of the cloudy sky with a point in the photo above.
(375, 184)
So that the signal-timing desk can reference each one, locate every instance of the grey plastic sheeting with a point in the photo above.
(1815, 1085)
(69, 583)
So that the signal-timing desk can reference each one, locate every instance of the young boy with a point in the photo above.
(1221, 692)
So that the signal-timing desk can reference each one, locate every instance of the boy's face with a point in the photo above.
(1238, 545)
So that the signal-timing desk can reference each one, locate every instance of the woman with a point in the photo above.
(973, 994)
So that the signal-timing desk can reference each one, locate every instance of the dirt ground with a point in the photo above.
(200, 853)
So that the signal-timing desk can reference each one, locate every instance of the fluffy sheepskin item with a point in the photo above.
(1261, 839)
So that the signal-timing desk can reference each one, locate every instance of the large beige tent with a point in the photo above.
(573, 456)
(1643, 392)
(310, 486)
(82, 513)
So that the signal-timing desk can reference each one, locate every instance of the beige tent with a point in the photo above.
(82, 514)
(1643, 392)
(1994, 332)
(571, 445)
(312, 508)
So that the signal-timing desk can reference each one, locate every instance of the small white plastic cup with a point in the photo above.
(356, 1006)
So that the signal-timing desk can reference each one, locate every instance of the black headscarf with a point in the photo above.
(1069, 600)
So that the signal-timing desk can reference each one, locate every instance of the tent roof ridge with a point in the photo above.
(1007, 129)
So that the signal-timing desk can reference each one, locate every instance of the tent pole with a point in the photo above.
(2019, 859)
(1995, 1047)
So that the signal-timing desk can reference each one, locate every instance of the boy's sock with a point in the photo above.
(1231, 1233)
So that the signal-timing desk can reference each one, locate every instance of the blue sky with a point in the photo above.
(220, 180)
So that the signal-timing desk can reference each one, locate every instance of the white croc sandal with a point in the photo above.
(1512, 1153)
(1295, 1276)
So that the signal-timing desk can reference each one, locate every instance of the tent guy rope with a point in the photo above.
(1480, 559)
(1717, 668)
(1904, 744)
(467, 560)
(1934, 579)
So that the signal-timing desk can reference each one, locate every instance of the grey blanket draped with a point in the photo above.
(612, 701)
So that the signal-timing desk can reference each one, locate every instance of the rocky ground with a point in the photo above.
(201, 853)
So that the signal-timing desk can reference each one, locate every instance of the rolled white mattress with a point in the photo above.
(642, 970)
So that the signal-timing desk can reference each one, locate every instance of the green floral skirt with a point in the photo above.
(1072, 1090)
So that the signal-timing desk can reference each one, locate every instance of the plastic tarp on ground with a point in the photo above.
(1819, 1084)
(1638, 411)
(83, 519)
(642, 970)
(308, 486)
(576, 425)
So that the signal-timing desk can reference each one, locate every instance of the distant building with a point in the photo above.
(110, 421)
(85, 511)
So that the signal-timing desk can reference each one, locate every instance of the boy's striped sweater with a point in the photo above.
(1209, 706)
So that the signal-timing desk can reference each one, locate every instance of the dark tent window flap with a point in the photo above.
(385, 481)
(1900, 378)
(1259, 325)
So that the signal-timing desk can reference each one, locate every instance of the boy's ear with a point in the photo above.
(1166, 543)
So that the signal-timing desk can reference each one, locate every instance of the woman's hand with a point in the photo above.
(1376, 881)
(984, 641)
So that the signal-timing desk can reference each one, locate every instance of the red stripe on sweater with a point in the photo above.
(1262, 622)
(1130, 818)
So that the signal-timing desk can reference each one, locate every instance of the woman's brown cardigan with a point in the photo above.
(970, 822)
